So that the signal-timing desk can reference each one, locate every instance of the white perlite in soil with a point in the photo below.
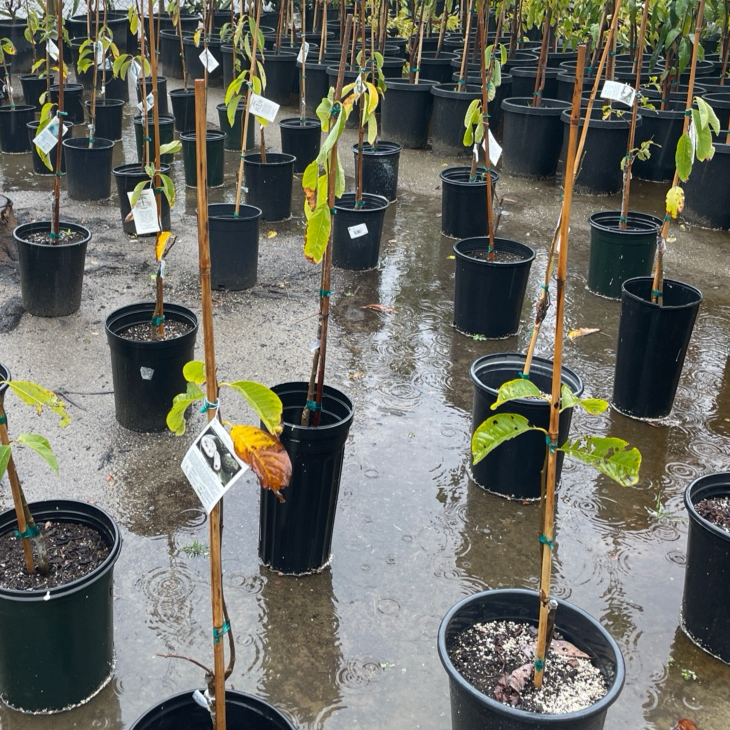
(487, 653)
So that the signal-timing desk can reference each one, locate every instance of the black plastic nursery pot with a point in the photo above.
(600, 169)
(148, 375)
(533, 137)
(488, 295)
(268, 185)
(67, 632)
(88, 168)
(295, 536)
(34, 86)
(51, 276)
(234, 133)
(356, 231)
(619, 254)
(464, 202)
(435, 69)
(449, 110)
(300, 138)
(406, 112)
(14, 128)
(234, 246)
(109, 114)
(162, 105)
(170, 57)
(380, 168)
(182, 711)
(664, 128)
(652, 344)
(39, 167)
(183, 109)
(704, 616)
(115, 88)
(473, 710)
(514, 469)
(215, 154)
(167, 134)
(127, 177)
(73, 102)
(708, 194)
(280, 69)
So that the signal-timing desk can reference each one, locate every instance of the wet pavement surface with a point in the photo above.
(356, 645)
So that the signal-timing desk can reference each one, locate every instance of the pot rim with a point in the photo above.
(673, 282)
(379, 201)
(523, 105)
(130, 168)
(210, 134)
(17, 108)
(382, 148)
(721, 481)
(73, 86)
(528, 257)
(463, 170)
(438, 90)
(424, 86)
(329, 392)
(105, 102)
(181, 91)
(299, 123)
(245, 212)
(9, 376)
(42, 224)
(77, 143)
(635, 216)
(288, 159)
(185, 313)
(162, 118)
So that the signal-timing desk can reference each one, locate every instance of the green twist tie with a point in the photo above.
(159, 191)
(222, 631)
(523, 375)
(207, 405)
(324, 293)
(666, 218)
(360, 204)
(415, 70)
(146, 139)
(539, 664)
(313, 406)
(59, 174)
(612, 53)
(333, 211)
(590, 70)
(462, 81)
(485, 116)
(687, 112)
(29, 532)
(544, 541)
(621, 219)
(157, 320)
(53, 235)
(3, 419)
(62, 114)
(552, 445)
(656, 293)
(536, 93)
(544, 287)
(157, 52)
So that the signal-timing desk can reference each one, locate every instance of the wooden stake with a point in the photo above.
(463, 73)
(55, 225)
(547, 528)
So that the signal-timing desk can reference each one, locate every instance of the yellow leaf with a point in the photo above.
(675, 201)
(270, 234)
(162, 239)
(582, 332)
(266, 456)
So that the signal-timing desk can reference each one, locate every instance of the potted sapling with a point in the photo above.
(470, 635)
(57, 610)
(14, 27)
(280, 66)
(172, 53)
(13, 117)
(38, 81)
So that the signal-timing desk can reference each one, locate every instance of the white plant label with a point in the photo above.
(48, 138)
(99, 54)
(495, 151)
(264, 108)
(303, 53)
(618, 92)
(692, 132)
(207, 59)
(144, 212)
(211, 465)
(358, 231)
(52, 49)
(150, 103)
(475, 149)
(146, 373)
(359, 85)
(134, 70)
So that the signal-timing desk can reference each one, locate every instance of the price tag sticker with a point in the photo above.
(48, 138)
(358, 231)
(144, 212)
(264, 108)
(52, 49)
(150, 103)
(618, 92)
(207, 59)
(303, 53)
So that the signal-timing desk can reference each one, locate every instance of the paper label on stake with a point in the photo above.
(150, 103)
(303, 53)
(52, 49)
(618, 92)
(211, 465)
(264, 108)
(495, 151)
(48, 138)
(358, 231)
(207, 59)
(144, 212)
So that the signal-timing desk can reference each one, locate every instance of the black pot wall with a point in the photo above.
(33, 87)
(665, 129)
(449, 110)
(707, 202)
(380, 164)
(234, 246)
(464, 202)
(269, 185)
(183, 109)
(39, 167)
(127, 177)
(73, 102)
(88, 168)
(406, 112)
(109, 113)
(14, 128)
(357, 252)
(301, 139)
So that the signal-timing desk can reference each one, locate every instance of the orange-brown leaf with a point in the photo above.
(162, 239)
(311, 196)
(379, 307)
(265, 455)
(685, 725)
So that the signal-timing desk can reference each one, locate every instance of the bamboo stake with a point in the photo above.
(547, 531)
(420, 49)
(323, 35)
(55, 225)
(486, 77)
(416, 50)
(94, 76)
(362, 112)
(303, 73)
(542, 61)
(442, 30)
(658, 282)
(463, 68)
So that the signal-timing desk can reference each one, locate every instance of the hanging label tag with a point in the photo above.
(163, 269)
(52, 49)
(103, 90)
(358, 231)
(495, 151)
(99, 54)
(134, 70)
(303, 53)
(48, 138)
(207, 59)
(692, 133)
(150, 103)
(359, 85)
(475, 150)
(618, 92)
(211, 465)
(144, 212)
(264, 108)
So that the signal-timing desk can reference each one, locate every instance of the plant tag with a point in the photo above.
(303, 53)
(144, 212)
(103, 90)
(264, 108)
(495, 151)
(146, 373)
(359, 85)
(48, 138)
(99, 54)
(134, 70)
(692, 132)
(475, 149)
(618, 92)
(358, 231)
(163, 269)
(150, 103)
(211, 465)
(52, 49)
(207, 59)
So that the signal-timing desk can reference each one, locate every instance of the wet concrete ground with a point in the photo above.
(356, 645)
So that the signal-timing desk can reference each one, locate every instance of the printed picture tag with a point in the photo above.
(48, 138)
(144, 212)
(358, 231)
(206, 58)
(303, 53)
(150, 104)
(618, 92)
(264, 108)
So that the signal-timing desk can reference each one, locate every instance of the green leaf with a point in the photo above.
(194, 372)
(323, 112)
(309, 178)
(168, 189)
(518, 388)
(40, 445)
(709, 113)
(232, 108)
(684, 157)
(705, 149)
(263, 400)
(176, 417)
(35, 395)
(468, 139)
(700, 114)
(675, 201)
(372, 129)
(138, 188)
(318, 233)
(339, 178)
(568, 399)
(4, 458)
(169, 148)
(495, 431)
(469, 116)
(610, 456)
(331, 138)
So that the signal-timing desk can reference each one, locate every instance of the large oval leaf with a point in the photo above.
(4, 458)
(609, 455)
(38, 397)
(495, 431)
(518, 388)
(40, 445)
(176, 417)
(266, 456)
(263, 400)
